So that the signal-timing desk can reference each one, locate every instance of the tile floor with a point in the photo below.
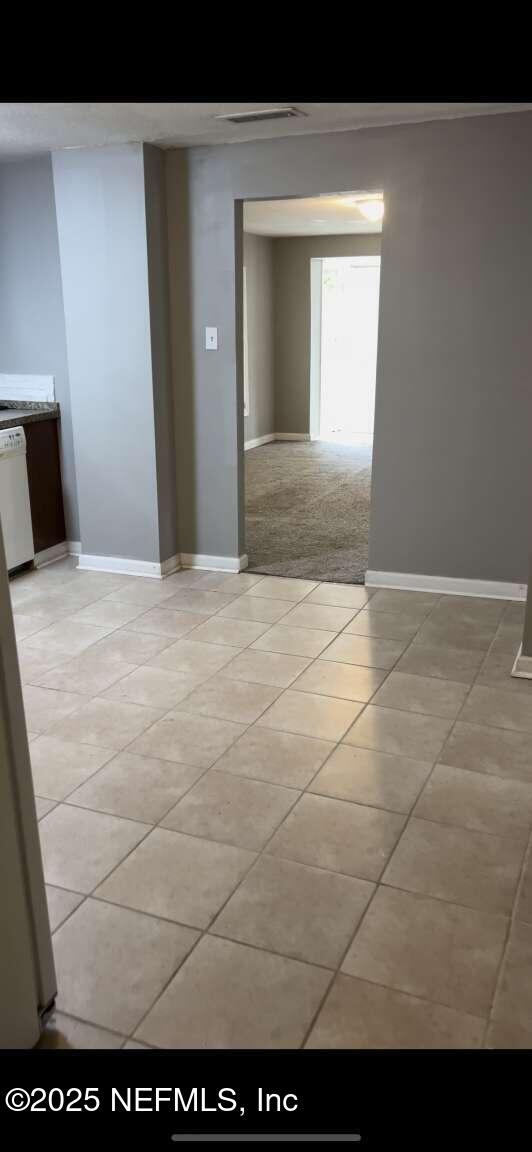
(279, 814)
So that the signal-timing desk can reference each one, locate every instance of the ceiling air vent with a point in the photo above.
(260, 114)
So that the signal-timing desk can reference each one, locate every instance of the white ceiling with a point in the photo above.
(27, 129)
(311, 216)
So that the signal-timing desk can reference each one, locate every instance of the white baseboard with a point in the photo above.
(449, 585)
(292, 436)
(122, 566)
(522, 665)
(259, 440)
(214, 563)
(173, 564)
(74, 547)
(48, 555)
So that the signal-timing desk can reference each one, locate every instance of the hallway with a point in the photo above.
(307, 510)
(276, 813)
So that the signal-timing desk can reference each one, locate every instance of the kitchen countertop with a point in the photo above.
(16, 412)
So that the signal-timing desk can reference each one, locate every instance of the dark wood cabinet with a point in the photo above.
(44, 481)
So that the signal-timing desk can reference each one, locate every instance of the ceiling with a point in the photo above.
(27, 129)
(311, 216)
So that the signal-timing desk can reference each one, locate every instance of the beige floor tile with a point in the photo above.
(234, 633)
(295, 910)
(106, 723)
(513, 1001)
(231, 809)
(294, 641)
(43, 806)
(357, 1014)
(398, 600)
(307, 714)
(400, 733)
(281, 588)
(147, 593)
(187, 578)
(374, 778)
(134, 1045)
(167, 622)
(496, 672)
(232, 996)
(386, 625)
(225, 583)
(345, 681)
(107, 614)
(523, 908)
(459, 664)
(80, 847)
(319, 616)
(188, 739)
(191, 600)
(236, 585)
(230, 699)
(497, 751)
(256, 608)
(44, 707)
(499, 708)
(112, 963)
(87, 674)
(459, 634)
(65, 1032)
(476, 800)
(424, 694)
(277, 757)
(66, 638)
(27, 625)
(340, 595)
(178, 877)
(33, 665)
(428, 948)
(274, 668)
(193, 658)
(59, 767)
(366, 650)
(470, 868)
(212, 582)
(154, 687)
(469, 609)
(505, 1035)
(130, 647)
(60, 904)
(136, 787)
(508, 637)
(338, 836)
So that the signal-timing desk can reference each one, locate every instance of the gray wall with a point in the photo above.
(101, 214)
(452, 462)
(258, 260)
(292, 256)
(32, 325)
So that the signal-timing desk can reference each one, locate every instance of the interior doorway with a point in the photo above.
(345, 346)
(311, 273)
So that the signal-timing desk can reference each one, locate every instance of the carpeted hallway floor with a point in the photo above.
(307, 510)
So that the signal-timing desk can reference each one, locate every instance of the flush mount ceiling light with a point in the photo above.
(371, 207)
(261, 114)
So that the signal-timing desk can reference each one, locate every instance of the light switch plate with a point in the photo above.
(211, 339)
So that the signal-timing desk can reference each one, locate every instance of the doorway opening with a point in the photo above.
(311, 275)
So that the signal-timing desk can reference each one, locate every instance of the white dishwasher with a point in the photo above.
(15, 512)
